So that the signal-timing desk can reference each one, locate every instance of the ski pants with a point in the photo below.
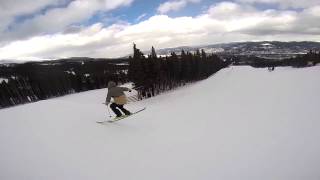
(115, 108)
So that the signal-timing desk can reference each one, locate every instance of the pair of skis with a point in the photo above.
(120, 118)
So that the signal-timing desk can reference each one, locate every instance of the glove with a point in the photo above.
(130, 90)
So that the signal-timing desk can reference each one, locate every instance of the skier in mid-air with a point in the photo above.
(120, 99)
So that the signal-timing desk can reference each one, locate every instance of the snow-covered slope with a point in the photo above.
(240, 124)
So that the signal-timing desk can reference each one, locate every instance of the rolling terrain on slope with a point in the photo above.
(240, 124)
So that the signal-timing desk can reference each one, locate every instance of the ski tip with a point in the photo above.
(102, 122)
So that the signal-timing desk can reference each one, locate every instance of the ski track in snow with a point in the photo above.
(240, 124)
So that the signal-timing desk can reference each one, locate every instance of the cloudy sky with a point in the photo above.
(40, 29)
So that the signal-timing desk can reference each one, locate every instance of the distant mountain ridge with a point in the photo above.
(264, 49)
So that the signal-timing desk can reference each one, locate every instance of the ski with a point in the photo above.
(122, 117)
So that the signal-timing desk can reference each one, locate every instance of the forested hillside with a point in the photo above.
(33, 81)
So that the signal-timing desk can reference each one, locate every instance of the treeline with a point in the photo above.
(33, 81)
(152, 75)
(312, 58)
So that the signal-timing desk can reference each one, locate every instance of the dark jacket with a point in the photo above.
(117, 93)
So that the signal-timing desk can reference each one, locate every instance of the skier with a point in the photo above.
(120, 99)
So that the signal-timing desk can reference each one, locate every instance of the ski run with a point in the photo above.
(240, 124)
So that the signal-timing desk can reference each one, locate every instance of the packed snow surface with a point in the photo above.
(240, 124)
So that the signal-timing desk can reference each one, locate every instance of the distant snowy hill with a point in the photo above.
(55, 61)
(240, 124)
(266, 49)
(11, 61)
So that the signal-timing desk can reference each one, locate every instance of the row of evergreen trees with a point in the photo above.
(310, 59)
(31, 82)
(304, 60)
(153, 75)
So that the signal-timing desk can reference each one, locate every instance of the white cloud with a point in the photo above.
(171, 6)
(87, 42)
(58, 19)
(21, 7)
(174, 5)
(11, 9)
(222, 22)
(141, 16)
(285, 3)
(226, 10)
(239, 17)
